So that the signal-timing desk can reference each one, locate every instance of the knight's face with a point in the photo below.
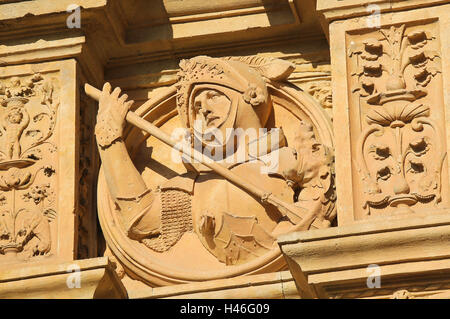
(212, 112)
(211, 107)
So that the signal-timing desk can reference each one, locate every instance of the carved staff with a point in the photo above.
(285, 209)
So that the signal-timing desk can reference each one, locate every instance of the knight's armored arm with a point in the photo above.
(125, 184)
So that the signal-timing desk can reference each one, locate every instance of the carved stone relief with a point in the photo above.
(321, 91)
(28, 109)
(396, 117)
(199, 222)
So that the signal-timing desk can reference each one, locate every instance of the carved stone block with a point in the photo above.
(391, 114)
(38, 162)
(342, 262)
(197, 222)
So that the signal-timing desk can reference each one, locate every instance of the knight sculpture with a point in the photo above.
(234, 225)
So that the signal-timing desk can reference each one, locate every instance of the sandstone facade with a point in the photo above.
(224, 149)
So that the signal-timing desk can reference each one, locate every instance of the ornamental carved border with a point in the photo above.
(397, 119)
(28, 108)
(39, 164)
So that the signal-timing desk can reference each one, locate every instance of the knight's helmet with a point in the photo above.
(246, 75)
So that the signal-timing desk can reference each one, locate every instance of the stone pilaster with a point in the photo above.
(391, 114)
(390, 65)
(48, 154)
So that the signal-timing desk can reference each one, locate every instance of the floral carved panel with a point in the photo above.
(36, 162)
(397, 119)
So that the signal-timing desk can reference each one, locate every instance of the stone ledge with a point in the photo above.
(278, 285)
(335, 10)
(50, 281)
(338, 9)
(370, 226)
(19, 9)
(333, 262)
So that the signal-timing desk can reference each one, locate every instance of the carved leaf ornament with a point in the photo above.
(401, 140)
(28, 119)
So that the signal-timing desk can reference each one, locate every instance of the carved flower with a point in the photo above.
(49, 170)
(254, 95)
(372, 68)
(420, 146)
(380, 152)
(15, 81)
(420, 58)
(14, 179)
(425, 75)
(37, 77)
(15, 116)
(38, 193)
(418, 39)
(18, 89)
(427, 185)
(368, 87)
(373, 49)
(385, 116)
(427, 65)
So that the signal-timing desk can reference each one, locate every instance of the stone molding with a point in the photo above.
(50, 281)
(333, 263)
(279, 285)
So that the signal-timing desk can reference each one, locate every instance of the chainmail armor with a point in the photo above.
(176, 219)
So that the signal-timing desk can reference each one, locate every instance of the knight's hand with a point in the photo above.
(113, 109)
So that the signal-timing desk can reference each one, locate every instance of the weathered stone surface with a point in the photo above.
(164, 215)
(38, 162)
(391, 127)
(81, 279)
(393, 112)
(279, 285)
(333, 263)
(85, 174)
